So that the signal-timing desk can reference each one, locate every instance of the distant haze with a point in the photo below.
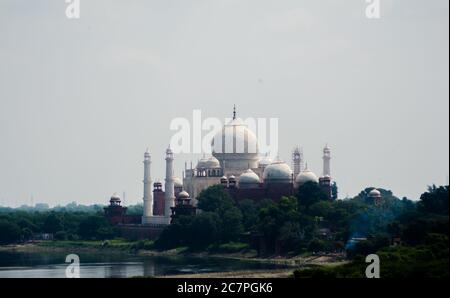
(81, 100)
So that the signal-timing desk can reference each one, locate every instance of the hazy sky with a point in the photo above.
(81, 100)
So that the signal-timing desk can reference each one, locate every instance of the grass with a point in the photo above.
(230, 247)
(120, 244)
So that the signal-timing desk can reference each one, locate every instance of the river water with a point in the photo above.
(98, 265)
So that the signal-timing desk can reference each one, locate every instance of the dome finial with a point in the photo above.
(234, 112)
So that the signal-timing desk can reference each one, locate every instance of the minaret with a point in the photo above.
(169, 195)
(297, 161)
(148, 195)
(326, 161)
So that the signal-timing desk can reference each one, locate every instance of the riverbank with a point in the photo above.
(138, 249)
(275, 273)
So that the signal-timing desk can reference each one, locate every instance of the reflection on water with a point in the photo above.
(98, 265)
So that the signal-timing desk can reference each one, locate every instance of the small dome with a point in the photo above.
(232, 178)
(177, 182)
(264, 162)
(306, 176)
(212, 163)
(208, 163)
(248, 177)
(202, 163)
(277, 172)
(183, 195)
(375, 193)
(115, 198)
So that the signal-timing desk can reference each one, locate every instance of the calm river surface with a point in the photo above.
(97, 265)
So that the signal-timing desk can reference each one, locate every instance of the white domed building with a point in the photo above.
(236, 164)
(374, 196)
(207, 172)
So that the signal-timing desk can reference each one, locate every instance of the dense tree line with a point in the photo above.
(69, 222)
(423, 252)
(310, 222)
(219, 221)
(19, 226)
(306, 222)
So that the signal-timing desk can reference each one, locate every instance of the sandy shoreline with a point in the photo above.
(275, 273)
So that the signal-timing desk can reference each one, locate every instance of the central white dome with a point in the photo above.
(236, 147)
(235, 137)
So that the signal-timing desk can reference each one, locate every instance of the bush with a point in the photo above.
(142, 244)
(9, 232)
(317, 245)
(95, 227)
(230, 247)
(398, 262)
(60, 235)
(27, 234)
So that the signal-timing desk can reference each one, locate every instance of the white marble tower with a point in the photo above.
(148, 195)
(326, 161)
(169, 196)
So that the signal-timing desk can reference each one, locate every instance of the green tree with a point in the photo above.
(317, 245)
(9, 232)
(249, 212)
(215, 199)
(310, 193)
(435, 200)
(52, 223)
(60, 235)
(231, 225)
(278, 222)
(334, 190)
(95, 227)
(27, 234)
(176, 234)
(204, 230)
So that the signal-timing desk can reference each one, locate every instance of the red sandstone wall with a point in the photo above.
(139, 232)
(158, 203)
